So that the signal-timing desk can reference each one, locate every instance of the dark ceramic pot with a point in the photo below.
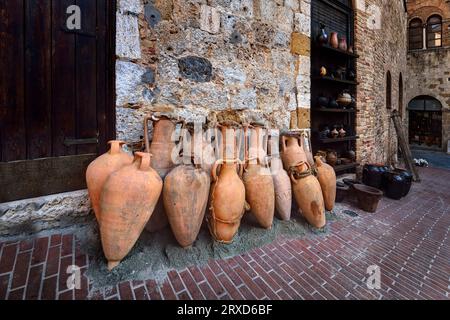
(323, 36)
(373, 175)
(323, 101)
(333, 104)
(408, 180)
(394, 184)
(368, 197)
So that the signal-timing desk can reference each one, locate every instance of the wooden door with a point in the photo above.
(56, 93)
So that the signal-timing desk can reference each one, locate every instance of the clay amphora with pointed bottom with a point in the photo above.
(258, 181)
(99, 170)
(127, 203)
(227, 194)
(327, 180)
(308, 195)
(162, 149)
(291, 152)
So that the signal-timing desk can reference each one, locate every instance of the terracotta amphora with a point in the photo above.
(162, 148)
(258, 181)
(292, 151)
(308, 194)
(185, 195)
(127, 203)
(281, 183)
(306, 145)
(99, 170)
(227, 195)
(327, 180)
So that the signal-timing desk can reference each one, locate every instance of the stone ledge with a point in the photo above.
(36, 214)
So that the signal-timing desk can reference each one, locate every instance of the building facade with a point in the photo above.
(428, 77)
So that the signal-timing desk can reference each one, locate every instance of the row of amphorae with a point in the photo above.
(151, 190)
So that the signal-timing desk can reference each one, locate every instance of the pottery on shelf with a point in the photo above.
(323, 101)
(344, 99)
(323, 36)
(342, 132)
(333, 104)
(350, 49)
(343, 44)
(323, 71)
(334, 41)
(331, 158)
(334, 133)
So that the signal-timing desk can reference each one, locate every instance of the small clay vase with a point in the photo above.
(334, 41)
(127, 203)
(334, 133)
(342, 133)
(99, 170)
(343, 44)
(327, 180)
(323, 71)
(350, 49)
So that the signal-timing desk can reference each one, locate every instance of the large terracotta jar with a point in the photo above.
(99, 170)
(185, 196)
(258, 181)
(162, 148)
(127, 203)
(227, 195)
(292, 151)
(327, 180)
(281, 183)
(308, 194)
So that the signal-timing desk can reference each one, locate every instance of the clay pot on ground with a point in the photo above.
(308, 195)
(99, 170)
(368, 197)
(292, 151)
(281, 183)
(334, 41)
(306, 145)
(408, 180)
(373, 175)
(127, 203)
(227, 193)
(327, 180)
(258, 182)
(162, 148)
(185, 196)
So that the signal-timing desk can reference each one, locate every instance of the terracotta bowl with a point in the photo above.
(368, 197)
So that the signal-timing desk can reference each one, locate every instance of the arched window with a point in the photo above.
(415, 34)
(388, 90)
(400, 95)
(434, 32)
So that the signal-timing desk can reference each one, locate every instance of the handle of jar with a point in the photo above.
(214, 169)
(283, 143)
(115, 146)
(147, 118)
(145, 159)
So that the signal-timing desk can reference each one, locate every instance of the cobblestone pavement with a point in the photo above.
(408, 240)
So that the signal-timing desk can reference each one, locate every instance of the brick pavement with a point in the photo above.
(408, 240)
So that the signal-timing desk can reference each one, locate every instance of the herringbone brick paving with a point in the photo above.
(408, 240)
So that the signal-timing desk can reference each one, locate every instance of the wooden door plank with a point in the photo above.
(101, 74)
(86, 77)
(12, 117)
(111, 7)
(33, 178)
(38, 78)
(63, 81)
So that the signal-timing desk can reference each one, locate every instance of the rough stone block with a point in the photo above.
(284, 19)
(300, 44)
(267, 9)
(233, 75)
(130, 6)
(129, 85)
(130, 123)
(292, 4)
(303, 118)
(152, 15)
(127, 37)
(244, 99)
(243, 7)
(165, 7)
(305, 7)
(209, 19)
(264, 33)
(302, 24)
(208, 96)
(195, 68)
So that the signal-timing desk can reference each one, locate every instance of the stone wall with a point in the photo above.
(429, 69)
(380, 40)
(194, 57)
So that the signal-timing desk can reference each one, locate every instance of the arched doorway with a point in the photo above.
(425, 122)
